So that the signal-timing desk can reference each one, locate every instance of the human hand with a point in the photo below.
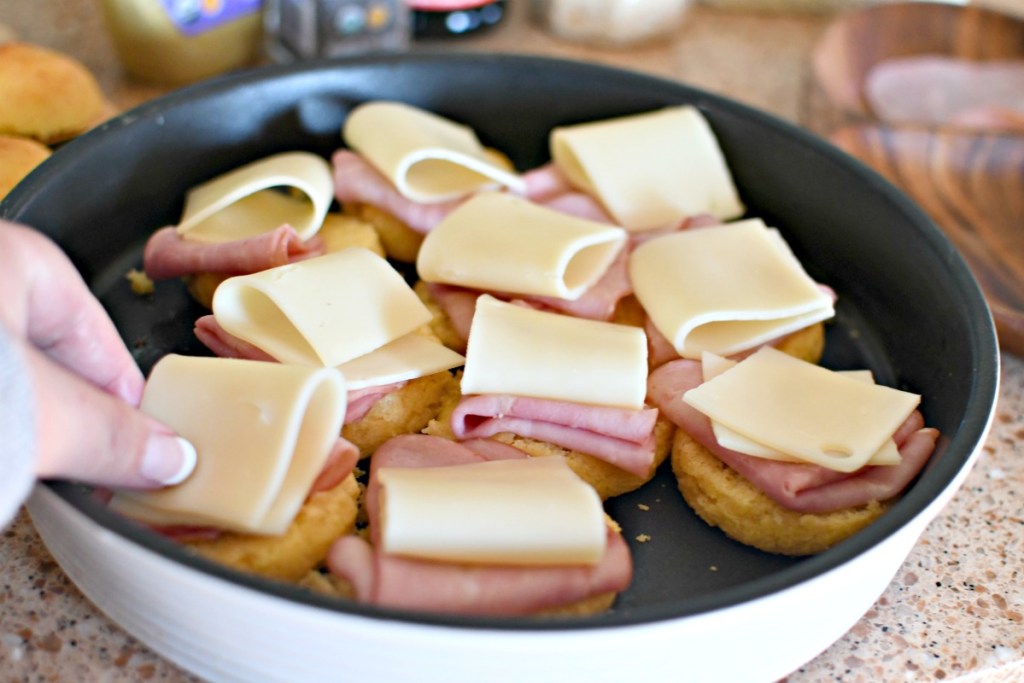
(87, 386)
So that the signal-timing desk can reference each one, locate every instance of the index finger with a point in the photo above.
(47, 301)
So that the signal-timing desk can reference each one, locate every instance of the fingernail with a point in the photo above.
(168, 459)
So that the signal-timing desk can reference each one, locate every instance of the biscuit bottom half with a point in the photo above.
(725, 499)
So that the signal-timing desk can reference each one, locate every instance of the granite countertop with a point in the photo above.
(954, 611)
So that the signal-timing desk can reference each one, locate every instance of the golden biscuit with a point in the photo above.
(400, 242)
(724, 499)
(18, 156)
(325, 517)
(47, 95)
(404, 411)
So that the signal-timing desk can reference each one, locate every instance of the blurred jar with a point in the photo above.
(174, 42)
(610, 22)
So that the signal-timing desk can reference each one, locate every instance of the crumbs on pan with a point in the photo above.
(643, 506)
(139, 282)
(643, 538)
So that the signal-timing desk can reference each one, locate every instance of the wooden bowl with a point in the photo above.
(966, 173)
(860, 40)
(973, 187)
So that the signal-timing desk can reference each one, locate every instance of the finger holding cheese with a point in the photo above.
(262, 433)
(804, 410)
(322, 311)
(526, 352)
(713, 365)
(241, 203)
(725, 288)
(427, 157)
(499, 242)
(649, 170)
(558, 521)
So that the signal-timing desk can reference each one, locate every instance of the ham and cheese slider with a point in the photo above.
(350, 310)
(551, 384)
(785, 455)
(267, 213)
(404, 169)
(273, 484)
(727, 289)
(512, 248)
(478, 528)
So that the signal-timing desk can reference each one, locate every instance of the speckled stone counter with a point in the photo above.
(954, 611)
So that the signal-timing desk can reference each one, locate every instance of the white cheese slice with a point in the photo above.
(714, 365)
(503, 243)
(533, 511)
(427, 157)
(262, 433)
(725, 288)
(407, 357)
(525, 352)
(649, 170)
(322, 311)
(804, 410)
(259, 209)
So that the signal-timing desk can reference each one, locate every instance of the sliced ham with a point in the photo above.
(621, 437)
(796, 486)
(404, 583)
(356, 180)
(600, 300)
(579, 205)
(225, 345)
(597, 303)
(168, 255)
(546, 182)
(362, 401)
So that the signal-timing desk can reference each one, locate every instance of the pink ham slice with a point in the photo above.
(796, 486)
(226, 345)
(404, 583)
(355, 180)
(620, 437)
(168, 255)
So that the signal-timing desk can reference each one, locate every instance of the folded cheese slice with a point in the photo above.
(714, 365)
(427, 157)
(241, 203)
(408, 357)
(649, 170)
(262, 433)
(533, 511)
(804, 410)
(725, 288)
(526, 352)
(499, 242)
(323, 311)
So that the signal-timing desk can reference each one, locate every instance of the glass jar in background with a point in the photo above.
(174, 42)
(307, 29)
(610, 23)
(450, 18)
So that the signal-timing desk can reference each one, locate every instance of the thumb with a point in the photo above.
(88, 435)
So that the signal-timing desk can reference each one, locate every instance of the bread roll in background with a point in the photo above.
(47, 95)
(18, 157)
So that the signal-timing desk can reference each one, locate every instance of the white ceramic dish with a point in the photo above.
(702, 607)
